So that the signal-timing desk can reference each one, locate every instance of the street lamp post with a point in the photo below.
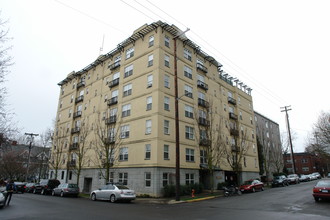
(29, 156)
(177, 133)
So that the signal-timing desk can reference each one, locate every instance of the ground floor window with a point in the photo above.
(165, 179)
(190, 178)
(123, 177)
(147, 176)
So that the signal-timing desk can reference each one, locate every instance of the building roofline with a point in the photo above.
(255, 112)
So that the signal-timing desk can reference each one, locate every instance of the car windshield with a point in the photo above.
(249, 182)
(291, 176)
(323, 184)
(73, 186)
(277, 177)
(122, 187)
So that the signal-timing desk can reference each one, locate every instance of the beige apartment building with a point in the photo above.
(116, 117)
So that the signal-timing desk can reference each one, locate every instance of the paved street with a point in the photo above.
(293, 202)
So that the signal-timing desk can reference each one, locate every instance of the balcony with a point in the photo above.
(77, 114)
(202, 85)
(231, 100)
(79, 99)
(81, 84)
(72, 163)
(114, 83)
(203, 103)
(201, 67)
(109, 141)
(111, 120)
(75, 130)
(205, 142)
(203, 122)
(235, 148)
(74, 146)
(113, 101)
(234, 132)
(232, 116)
(115, 65)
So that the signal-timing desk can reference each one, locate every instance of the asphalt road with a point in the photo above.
(293, 202)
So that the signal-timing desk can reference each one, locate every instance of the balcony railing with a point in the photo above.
(234, 132)
(113, 101)
(231, 100)
(111, 120)
(81, 84)
(203, 103)
(79, 99)
(202, 85)
(114, 65)
(203, 121)
(232, 116)
(205, 142)
(72, 163)
(74, 146)
(77, 114)
(75, 130)
(201, 67)
(114, 83)
(109, 141)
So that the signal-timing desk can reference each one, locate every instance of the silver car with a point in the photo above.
(113, 192)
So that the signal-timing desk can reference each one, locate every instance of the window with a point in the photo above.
(166, 152)
(61, 103)
(190, 178)
(71, 100)
(166, 81)
(165, 179)
(240, 116)
(62, 175)
(147, 176)
(200, 78)
(124, 131)
(189, 132)
(166, 103)
(187, 72)
(149, 103)
(151, 41)
(189, 111)
(116, 76)
(123, 154)
(190, 157)
(129, 52)
(126, 110)
(150, 60)
(128, 71)
(166, 127)
(187, 54)
(203, 157)
(123, 177)
(188, 91)
(127, 90)
(305, 169)
(167, 60)
(70, 112)
(149, 81)
(148, 126)
(304, 160)
(167, 41)
(148, 152)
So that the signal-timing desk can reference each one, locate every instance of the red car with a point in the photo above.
(251, 186)
(321, 190)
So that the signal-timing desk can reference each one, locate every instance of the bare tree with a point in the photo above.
(45, 140)
(106, 142)
(12, 165)
(58, 155)
(210, 138)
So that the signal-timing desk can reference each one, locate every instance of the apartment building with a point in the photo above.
(124, 101)
(305, 163)
(268, 134)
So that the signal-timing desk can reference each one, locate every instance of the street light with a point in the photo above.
(177, 134)
(30, 146)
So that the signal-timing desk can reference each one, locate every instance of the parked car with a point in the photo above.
(321, 190)
(312, 177)
(328, 175)
(113, 192)
(304, 178)
(66, 189)
(29, 187)
(20, 187)
(317, 175)
(251, 186)
(46, 186)
(293, 178)
(280, 181)
(2, 199)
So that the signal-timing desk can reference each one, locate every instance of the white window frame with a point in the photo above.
(129, 53)
(166, 103)
(167, 41)
(149, 103)
(166, 81)
(147, 152)
(166, 127)
(123, 154)
(148, 126)
(189, 133)
(127, 90)
(190, 155)
(187, 72)
(128, 71)
(150, 79)
(166, 154)
(167, 60)
(126, 110)
(150, 60)
(187, 54)
(151, 40)
(189, 111)
(124, 131)
(188, 91)
(147, 178)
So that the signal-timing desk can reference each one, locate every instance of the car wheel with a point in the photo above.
(34, 191)
(62, 194)
(253, 190)
(93, 197)
(53, 193)
(42, 192)
(112, 198)
(262, 188)
(317, 199)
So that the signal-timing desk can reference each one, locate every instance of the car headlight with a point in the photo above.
(2, 196)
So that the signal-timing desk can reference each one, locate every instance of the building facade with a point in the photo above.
(270, 147)
(305, 163)
(121, 110)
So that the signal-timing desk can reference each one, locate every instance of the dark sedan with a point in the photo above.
(280, 181)
(20, 187)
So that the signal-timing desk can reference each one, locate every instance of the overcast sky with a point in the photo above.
(280, 48)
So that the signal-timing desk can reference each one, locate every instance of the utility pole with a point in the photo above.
(177, 134)
(30, 147)
(286, 109)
